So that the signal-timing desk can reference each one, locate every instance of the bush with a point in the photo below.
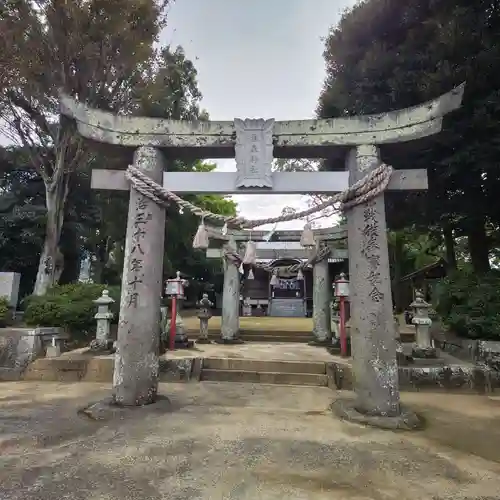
(4, 312)
(70, 307)
(470, 304)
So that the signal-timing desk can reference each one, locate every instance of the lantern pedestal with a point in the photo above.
(424, 352)
(181, 340)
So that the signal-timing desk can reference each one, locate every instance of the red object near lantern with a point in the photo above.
(175, 289)
(342, 291)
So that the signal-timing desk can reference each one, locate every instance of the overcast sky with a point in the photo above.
(256, 59)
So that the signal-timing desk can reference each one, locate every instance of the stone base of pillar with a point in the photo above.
(424, 352)
(106, 409)
(203, 341)
(229, 341)
(406, 420)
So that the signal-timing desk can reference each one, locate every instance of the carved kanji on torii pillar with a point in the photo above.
(254, 142)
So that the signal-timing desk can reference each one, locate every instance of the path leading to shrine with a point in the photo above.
(241, 441)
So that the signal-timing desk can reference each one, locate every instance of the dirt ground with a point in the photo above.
(241, 441)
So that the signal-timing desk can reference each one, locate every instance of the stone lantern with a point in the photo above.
(423, 347)
(103, 342)
(204, 314)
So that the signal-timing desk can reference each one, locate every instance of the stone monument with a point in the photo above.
(9, 287)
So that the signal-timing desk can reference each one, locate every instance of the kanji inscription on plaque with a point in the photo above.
(254, 152)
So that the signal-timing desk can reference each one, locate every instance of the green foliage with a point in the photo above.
(4, 312)
(392, 54)
(108, 61)
(70, 307)
(470, 304)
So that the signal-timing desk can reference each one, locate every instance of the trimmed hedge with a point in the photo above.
(70, 307)
(469, 304)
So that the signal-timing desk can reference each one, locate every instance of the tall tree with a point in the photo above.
(390, 54)
(94, 225)
(95, 50)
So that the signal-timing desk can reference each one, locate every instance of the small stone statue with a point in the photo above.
(204, 313)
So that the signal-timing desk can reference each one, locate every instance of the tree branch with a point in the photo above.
(37, 117)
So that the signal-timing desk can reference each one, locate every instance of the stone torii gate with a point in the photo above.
(254, 143)
(321, 278)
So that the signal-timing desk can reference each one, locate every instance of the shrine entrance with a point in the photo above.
(281, 283)
(287, 290)
(254, 143)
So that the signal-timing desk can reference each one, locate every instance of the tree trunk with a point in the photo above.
(51, 262)
(478, 247)
(449, 243)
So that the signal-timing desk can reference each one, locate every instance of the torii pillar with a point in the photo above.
(373, 338)
(135, 379)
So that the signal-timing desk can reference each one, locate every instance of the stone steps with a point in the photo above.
(454, 378)
(264, 372)
(265, 337)
(309, 379)
(314, 367)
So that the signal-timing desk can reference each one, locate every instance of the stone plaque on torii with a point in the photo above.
(254, 153)
(373, 340)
